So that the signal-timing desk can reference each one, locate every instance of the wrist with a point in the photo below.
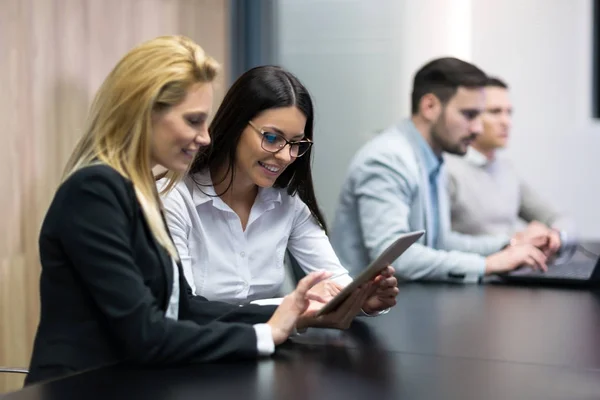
(489, 265)
(366, 311)
(275, 334)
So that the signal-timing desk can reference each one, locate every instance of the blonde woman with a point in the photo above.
(112, 288)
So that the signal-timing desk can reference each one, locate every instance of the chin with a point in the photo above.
(264, 182)
(260, 179)
(176, 167)
(458, 150)
(502, 143)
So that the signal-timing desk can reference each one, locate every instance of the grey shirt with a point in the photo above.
(489, 197)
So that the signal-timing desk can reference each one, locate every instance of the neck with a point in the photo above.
(241, 189)
(424, 129)
(490, 154)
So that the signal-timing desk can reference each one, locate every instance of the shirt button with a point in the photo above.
(242, 254)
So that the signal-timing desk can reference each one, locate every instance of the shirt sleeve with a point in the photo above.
(264, 343)
(310, 246)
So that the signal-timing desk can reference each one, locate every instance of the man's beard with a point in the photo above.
(438, 137)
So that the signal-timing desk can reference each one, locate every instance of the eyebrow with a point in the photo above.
(299, 136)
(499, 109)
(202, 114)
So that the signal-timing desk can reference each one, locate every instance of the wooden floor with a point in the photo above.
(55, 54)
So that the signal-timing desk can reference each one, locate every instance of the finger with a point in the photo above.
(389, 292)
(372, 289)
(316, 297)
(540, 259)
(388, 302)
(540, 241)
(388, 283)
(309, 281)
(388, 271)
(554, 242)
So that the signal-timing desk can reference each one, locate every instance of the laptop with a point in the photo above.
(582, 269)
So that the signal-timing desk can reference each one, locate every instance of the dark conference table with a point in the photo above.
(442, 341)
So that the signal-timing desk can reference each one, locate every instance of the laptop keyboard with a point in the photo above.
(571, 270)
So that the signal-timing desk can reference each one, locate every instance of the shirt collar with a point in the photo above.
(432, 161)
(203, 191)
(477, 158)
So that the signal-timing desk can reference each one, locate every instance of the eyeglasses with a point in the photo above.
(275, 142)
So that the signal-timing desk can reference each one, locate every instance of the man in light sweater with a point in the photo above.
(396, 183)
(487, 195)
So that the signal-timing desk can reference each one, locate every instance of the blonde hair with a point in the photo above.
(153, 76)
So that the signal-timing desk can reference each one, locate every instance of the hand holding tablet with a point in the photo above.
(389, 255)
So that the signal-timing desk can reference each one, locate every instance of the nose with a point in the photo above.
(203, 137)
(476, 127)
(284, 155)
(507, 120)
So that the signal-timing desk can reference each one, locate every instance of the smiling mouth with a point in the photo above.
(190, 153)
(270, 168)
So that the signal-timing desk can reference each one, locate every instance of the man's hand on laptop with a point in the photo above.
(385, 294)
(540, 236)
(515, 256)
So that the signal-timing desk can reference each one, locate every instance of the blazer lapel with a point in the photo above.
(167, 265)
(423, 183)
(426, 204)
(443, 207)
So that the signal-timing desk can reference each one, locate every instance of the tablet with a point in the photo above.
(388, 256)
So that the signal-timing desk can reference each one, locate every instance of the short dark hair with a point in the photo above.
(257, 90)
(496, 82)
(442, 77)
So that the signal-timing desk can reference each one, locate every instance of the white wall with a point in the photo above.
(357, 58)
(543, 49)
(347, 54)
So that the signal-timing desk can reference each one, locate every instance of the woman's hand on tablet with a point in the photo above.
(386, 290)
(343, 316)
(326, 290)
(295, 304)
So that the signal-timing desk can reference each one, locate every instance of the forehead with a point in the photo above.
(496, 95)
(471, 98)
(289, 120)
(198, 97)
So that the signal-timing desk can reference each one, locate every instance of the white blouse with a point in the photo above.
(173, 307)
(222, 262)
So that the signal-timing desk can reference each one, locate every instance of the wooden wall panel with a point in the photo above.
(54, 54)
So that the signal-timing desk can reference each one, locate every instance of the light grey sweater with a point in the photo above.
(489, 197)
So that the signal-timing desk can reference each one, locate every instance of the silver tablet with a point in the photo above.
(388, 256)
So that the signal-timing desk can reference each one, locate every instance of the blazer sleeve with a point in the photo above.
(384, 194)
(97, 211)
(202, 311)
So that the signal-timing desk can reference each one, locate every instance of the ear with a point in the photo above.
(430, 107)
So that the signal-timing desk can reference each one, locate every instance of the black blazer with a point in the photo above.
(105, 286)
